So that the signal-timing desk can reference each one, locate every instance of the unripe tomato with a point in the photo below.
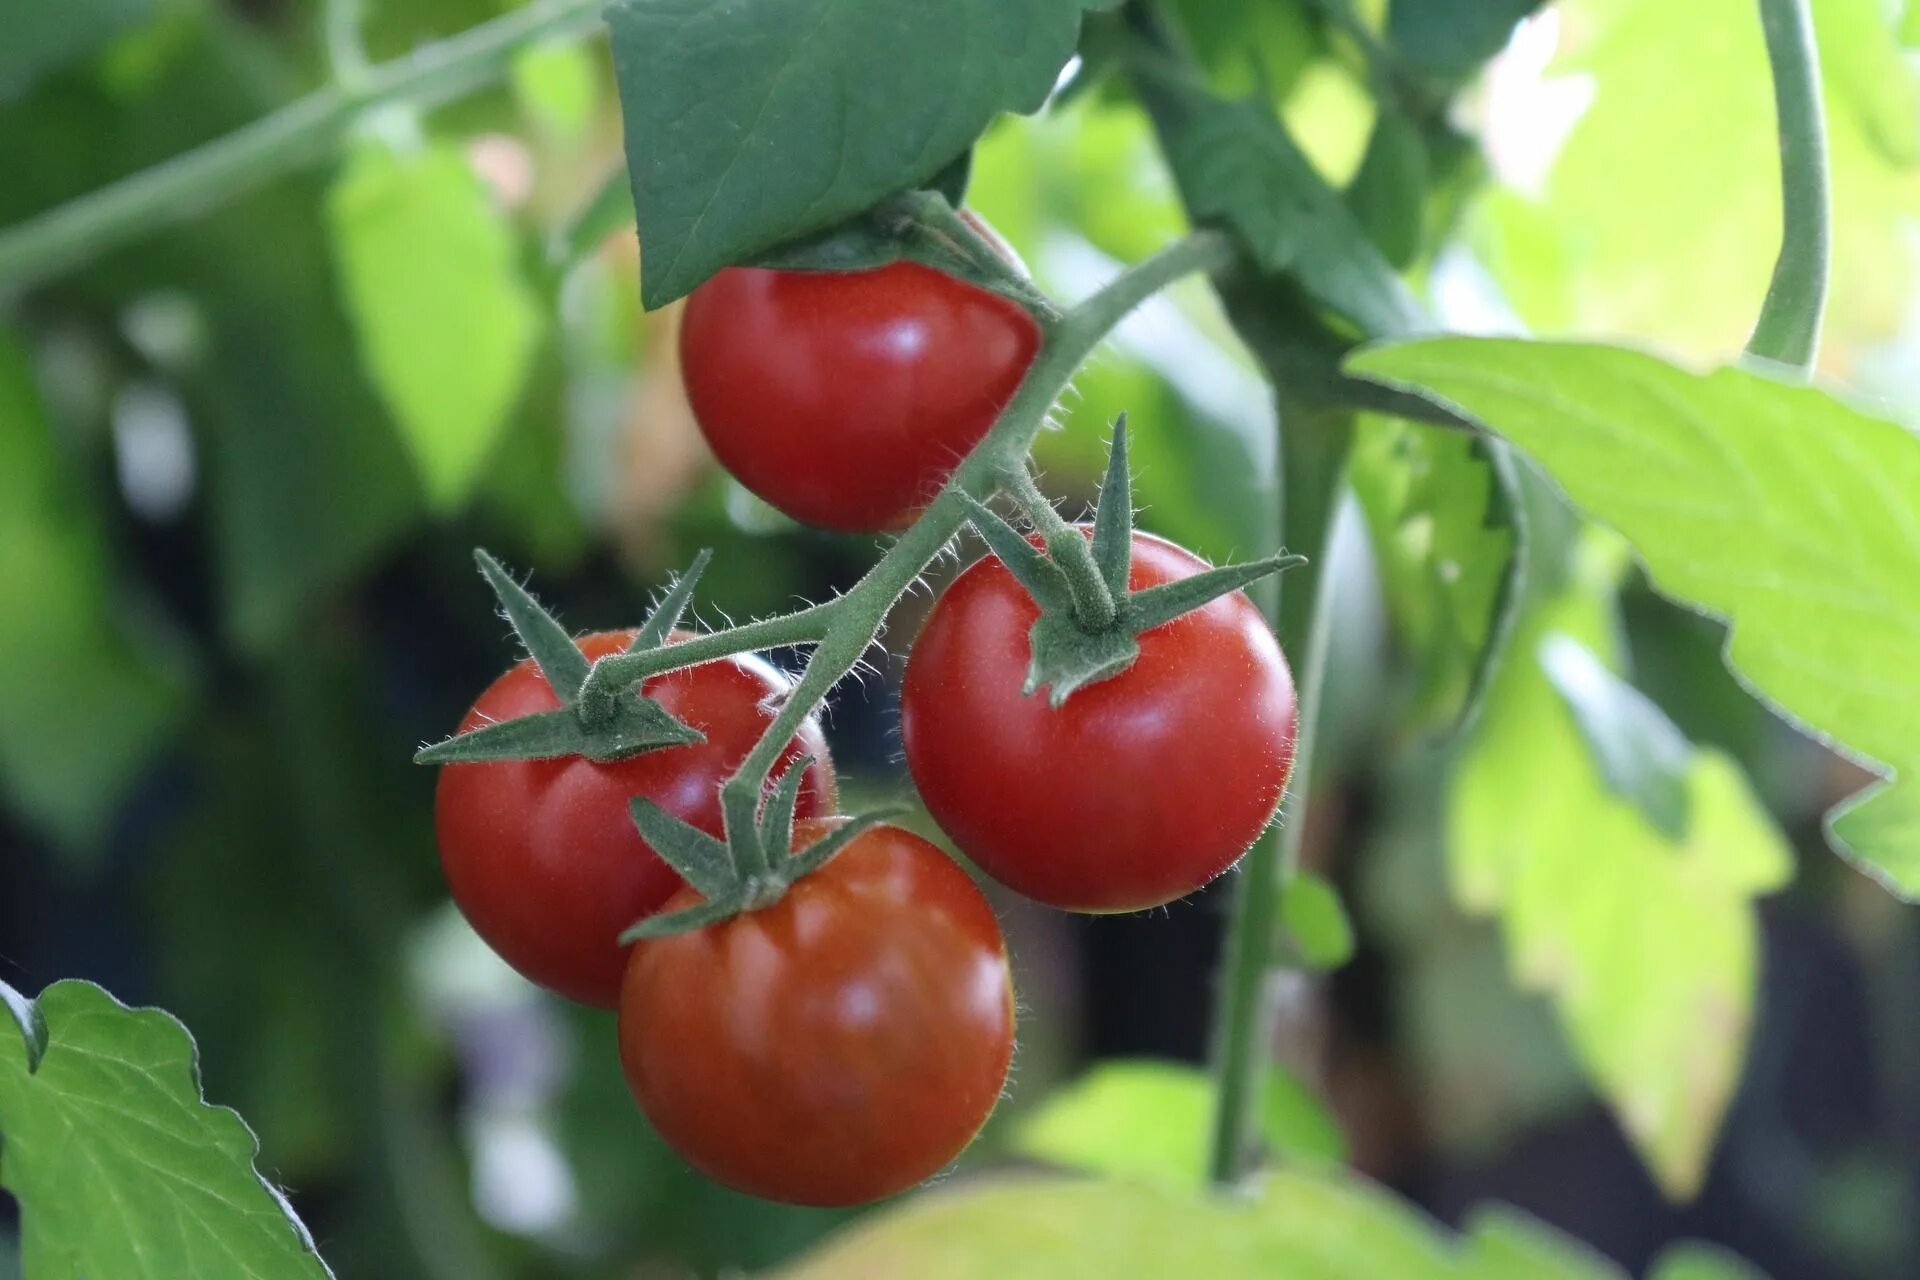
(542, 855)
(836, 1047)
(845, 399)
(1137, 790)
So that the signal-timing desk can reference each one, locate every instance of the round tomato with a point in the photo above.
(542, 855)
(845, 399)
(841, 1045)
(1138, 789)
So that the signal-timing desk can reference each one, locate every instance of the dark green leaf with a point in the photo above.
(44, 35)
(120, 1167)
(1389, 193)
(551, 648)
(1451, 38)
(1641, 755)
(750, 124)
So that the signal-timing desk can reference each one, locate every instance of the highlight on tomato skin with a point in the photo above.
(1139, 788)
(840, 1046)
(542, 856)
(845, 399)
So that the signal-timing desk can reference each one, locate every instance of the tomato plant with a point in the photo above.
(1138, 789)
(845, 399)
(836, 1047)
(541, 855)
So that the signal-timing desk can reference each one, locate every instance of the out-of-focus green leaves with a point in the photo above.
(120, 1167)
(1303, 1225)
(1648, 945)
(44, 35)
(557, 87)
(1388, 195)
(1249, 46)
(1445, 535)
(1690, 1260)
(446, 325)
(1315, 921)
(1774, 506)
(767, 156)
(1147, 1120)
(1641, 756)
(83, 705)
(1660, 216)
(1451, 38)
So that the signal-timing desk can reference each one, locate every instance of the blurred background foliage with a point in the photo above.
(243, 462)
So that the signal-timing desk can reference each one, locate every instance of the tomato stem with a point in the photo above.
(1788, 330)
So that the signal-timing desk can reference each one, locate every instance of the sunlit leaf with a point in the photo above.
(446, 323)
(556, 86)
(119, 1166)
(1316, 921)
(747, 125)
(1775, 507)
(1136, 1118)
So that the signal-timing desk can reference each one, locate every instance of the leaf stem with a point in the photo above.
(1788, 330)
(74, 233)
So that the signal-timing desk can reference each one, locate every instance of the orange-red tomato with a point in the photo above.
(846, 399)
(542, 855)
(1138, 789)
(836, 1047)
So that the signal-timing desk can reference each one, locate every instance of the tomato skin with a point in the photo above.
(542, 855)
(839, 1046)
(1139, 788)
(845, 399)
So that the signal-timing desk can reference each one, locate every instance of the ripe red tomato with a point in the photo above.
(845, 399)
(836, 1047)
(1136, 791)
(542, 856)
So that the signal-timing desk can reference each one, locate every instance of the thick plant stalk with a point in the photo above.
(1788, 331)
(82, 229)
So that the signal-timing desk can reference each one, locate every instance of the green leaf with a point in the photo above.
(1236, 163)
(557, 88)
(1315, 920)
(1506, 1245)
(1446, 534)
(430, 276)
(1690, 1260)
(120, 1168)
(1389, 193)
(1300, 1225)
(83, 706)
(1642, 756)
(1451, 38)
(1147, 1120)
(1647, 945)
(45, 35)
(1775, 507)
(747, 125)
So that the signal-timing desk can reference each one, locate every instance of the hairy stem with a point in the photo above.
(1788, 330)
(84, 228)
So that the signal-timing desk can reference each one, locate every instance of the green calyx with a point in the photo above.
(752, 868)
(1090, 620)
(600, 726)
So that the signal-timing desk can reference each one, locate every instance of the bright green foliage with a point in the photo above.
(1300, 1225)
(1693, 1261)
(446, 324)
(1315, 921)
(1641, 755)
(557, 86)
(751, 124)
(119, 1166)
(1778, 508)
(1149, 1120)
(1648, 945)
(1660, 218)
(82, 707)
(1444, 536)
(44, 35)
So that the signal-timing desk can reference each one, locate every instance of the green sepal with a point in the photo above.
(638, 725)
(701, 860)
(1029, 566)
(658, 628)
(776, 820)
(685, 920)
(544, 735)
(552, 649)
(1147, 609)
(1067, 657)
(816, 855)
(1113, 517)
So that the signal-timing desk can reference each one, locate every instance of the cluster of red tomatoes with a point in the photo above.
(847, 1041)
